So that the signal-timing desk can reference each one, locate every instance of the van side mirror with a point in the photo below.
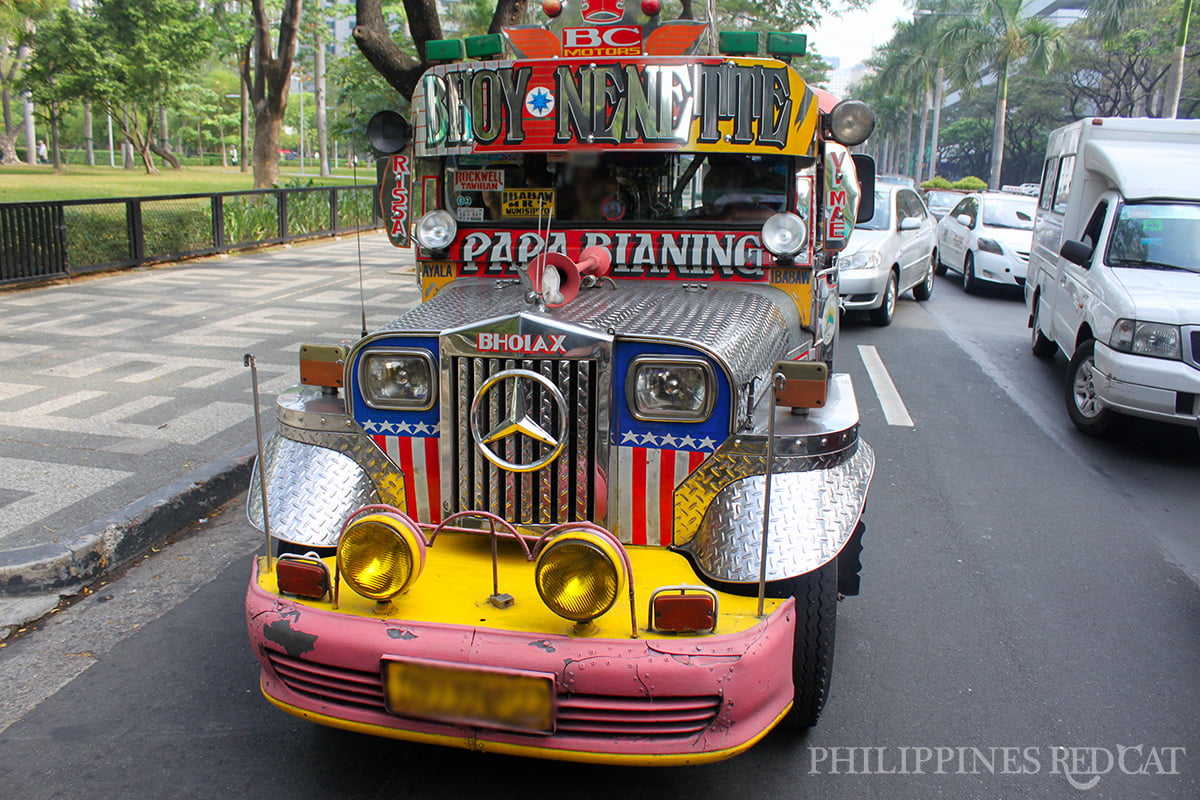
(964, 220)
(1076, 252)
(909, 224)
(864, 165)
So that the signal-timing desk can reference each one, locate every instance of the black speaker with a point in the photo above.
(388, 132)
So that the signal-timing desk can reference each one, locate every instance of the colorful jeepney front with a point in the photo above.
(534, 520)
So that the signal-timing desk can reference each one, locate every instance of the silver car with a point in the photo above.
(891, 253)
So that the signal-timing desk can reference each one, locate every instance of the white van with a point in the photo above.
(1114, 274)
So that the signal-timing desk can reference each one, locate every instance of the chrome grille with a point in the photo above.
(562, 491)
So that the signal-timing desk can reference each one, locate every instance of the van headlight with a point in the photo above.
(579, 575)
(1146, 339)
(670, 389)
(380, 556)
(851, 122)
(397, 379)
(784, 234)
(436, 230)
(863, 259)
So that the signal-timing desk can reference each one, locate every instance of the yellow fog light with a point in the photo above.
(381, 556)
(579, 575)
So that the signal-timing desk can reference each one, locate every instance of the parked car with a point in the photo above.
(888, 255)
(899, 180)
(1114, 281)
(986, 238)
(940, 201)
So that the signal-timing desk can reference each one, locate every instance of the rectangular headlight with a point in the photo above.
(1146, 339)
(670, 389)
(397, 379)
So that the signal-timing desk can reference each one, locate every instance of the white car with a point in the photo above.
(987, 238)
(888, 255)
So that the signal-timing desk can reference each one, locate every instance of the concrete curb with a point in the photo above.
(114, 540)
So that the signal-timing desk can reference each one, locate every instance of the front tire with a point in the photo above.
(1039, 344)
(882, 316)
(924, 290)
(970, 283)
(1083, 405)
(812, 649)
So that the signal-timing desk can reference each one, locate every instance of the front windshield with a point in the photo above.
(882, 217)
(942, 199)
(1009, 213)
(1156, 236)
(617, 187)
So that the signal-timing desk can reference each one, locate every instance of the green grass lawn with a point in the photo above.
(23, 184)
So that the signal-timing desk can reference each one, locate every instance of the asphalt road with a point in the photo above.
(1023, 588)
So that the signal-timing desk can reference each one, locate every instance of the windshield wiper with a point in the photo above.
(1130, 262)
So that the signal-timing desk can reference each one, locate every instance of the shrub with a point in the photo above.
(936, 182)
(969, 184)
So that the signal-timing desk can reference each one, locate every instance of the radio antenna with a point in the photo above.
(362, 295)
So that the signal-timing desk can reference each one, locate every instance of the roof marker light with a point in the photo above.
(738, 43)
(444, 50)
(487, 46)
(785, 46)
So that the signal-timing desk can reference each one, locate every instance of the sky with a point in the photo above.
(851, 36)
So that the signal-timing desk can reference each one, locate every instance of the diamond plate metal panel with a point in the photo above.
(813, 514)
(310, 490)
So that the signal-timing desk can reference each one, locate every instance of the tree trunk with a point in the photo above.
(925, 103)
(163, 146)
(165, 154)
(939, 83)
(998, 126)
(374, 40)
(906, 166)
(266, 149)
(508, 12)
(319, 96)
(55, 152)
(30, 132)
(244, 144)
(1174, 83)
(88, 125)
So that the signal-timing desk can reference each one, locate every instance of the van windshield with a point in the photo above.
(610, 187)
(1156, 236)
(1009, 213)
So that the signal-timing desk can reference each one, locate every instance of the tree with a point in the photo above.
(995, 40)
(18, 23)
(267, 71)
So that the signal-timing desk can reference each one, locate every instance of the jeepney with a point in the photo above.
(596, 497)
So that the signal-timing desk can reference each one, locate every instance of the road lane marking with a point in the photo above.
(894, 410)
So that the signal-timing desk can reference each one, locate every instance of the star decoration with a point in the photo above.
(403, 427)
(629, 436)
(668, 440)
(539, 102)
(369, 426)
(687, 441)
(649, 438)
(707, 443)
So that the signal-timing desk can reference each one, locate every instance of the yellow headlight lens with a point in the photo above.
(380, 556)
(579, 576)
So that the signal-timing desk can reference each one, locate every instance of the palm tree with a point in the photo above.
(992, 41)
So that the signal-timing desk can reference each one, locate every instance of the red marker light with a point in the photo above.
(552, 7)
(651, 7)
(303, 577)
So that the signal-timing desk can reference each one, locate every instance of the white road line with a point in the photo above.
(893, 406)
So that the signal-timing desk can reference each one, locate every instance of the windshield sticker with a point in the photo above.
(479, 180)
(527, 202)
(1152, 226)
(714, 104)
(467, 214)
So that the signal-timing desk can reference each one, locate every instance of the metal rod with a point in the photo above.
(776, 383)
(249, 361)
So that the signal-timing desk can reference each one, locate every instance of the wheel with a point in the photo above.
(924, 290)
(969, 281)
(1083, 406)
(882, 316)
(812, 650)
(1039, 344)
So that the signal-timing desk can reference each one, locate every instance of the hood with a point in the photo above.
(866, 240)
(1009, 238)
(1160, 295)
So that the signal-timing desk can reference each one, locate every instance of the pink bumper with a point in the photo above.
(635, 701)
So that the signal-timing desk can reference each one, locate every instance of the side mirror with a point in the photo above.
(963, 220)
(910, 224)
(1076, 252)
(864, 165)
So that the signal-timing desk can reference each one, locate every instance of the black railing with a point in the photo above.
(39, 241)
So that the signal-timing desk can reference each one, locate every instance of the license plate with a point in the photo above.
(465, 695)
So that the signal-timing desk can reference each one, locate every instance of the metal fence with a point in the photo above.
(69, 237)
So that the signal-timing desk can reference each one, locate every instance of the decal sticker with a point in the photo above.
(539, 102)
(612, 209)
(395, 186)
(418, 461)
(520, 343)
(433, 275)
(613, 41)
(699, 256)
(466, 214)
(648, 478)
(479, 180)
(603, 11)
(527, 202)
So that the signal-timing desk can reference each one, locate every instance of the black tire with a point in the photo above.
(812, 650)
(1039, 344)
(924, 290)
(882, 316)
(939, 268)
(1083, 407)
(970, 283)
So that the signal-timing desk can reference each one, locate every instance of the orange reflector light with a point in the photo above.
(683, 609)
(805, 384)
(302, 576)
(322, 365)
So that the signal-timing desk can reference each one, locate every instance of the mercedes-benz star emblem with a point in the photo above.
(518, 422)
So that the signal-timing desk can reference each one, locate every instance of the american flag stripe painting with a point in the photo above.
(648, 478)
(418, 461)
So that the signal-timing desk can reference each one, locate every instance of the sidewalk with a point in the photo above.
(120, 392)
